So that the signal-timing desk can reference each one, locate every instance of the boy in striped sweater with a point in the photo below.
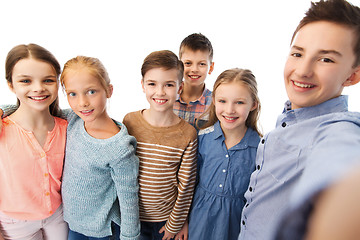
(166, 147)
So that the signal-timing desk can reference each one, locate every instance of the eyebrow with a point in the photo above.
(324, 51)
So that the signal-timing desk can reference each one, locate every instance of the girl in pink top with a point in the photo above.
(32, 144)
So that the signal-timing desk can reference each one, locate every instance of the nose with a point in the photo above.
(229, 108)
(160, 91)
(83, 101)
(38, 86)
(305, 68)
(194, 68)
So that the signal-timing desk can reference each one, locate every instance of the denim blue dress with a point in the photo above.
(223, 178)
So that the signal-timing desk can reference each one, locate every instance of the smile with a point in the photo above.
(160, 101)
(38, 98)
(230, 118)
(303, 85)
(86, 112)
(195, 77)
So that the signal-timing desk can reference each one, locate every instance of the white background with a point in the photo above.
(247, 34)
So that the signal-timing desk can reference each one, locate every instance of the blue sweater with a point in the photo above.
(100, 182)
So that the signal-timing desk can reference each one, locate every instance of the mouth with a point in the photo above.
(160, 101)
(39, 98)
(86, 112)
(302, 85)
(194, 77)
(230, 119)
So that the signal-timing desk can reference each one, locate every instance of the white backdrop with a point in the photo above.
(247, 34)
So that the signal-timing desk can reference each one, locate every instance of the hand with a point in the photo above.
(167, 235)
(183, 234)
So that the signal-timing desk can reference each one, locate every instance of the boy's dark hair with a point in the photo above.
(163, 59)
(336, 11)
(197, 41)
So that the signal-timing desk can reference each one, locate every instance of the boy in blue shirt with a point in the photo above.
(316, 139)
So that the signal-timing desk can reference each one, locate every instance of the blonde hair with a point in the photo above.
(241, 76)
(92, 65)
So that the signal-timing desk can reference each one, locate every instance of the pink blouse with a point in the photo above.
(30, 175)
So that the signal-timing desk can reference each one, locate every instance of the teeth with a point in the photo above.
(86, 111)
(230, 118)
(38, 98)
(159, 100)
(302, 85)
(194, 77)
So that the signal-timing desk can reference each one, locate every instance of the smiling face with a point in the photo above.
(35, 84)
(320, 64)
(196, 66)
(86, 95)
(161, 88)
(233, 104)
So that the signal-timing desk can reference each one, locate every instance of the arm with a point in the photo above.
(337, 211)
(125, 175)
(186, 183)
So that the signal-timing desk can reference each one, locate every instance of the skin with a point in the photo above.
(197, 66)
(161, 88)
(35, 85)
(320, 64)
(233, 103)
(336, 215)
(87, 98)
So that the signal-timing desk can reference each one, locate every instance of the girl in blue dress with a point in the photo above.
(226, 157)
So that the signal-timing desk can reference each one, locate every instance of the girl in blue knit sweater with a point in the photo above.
(100, 188)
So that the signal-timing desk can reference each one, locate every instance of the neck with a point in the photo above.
(160, 119)
(102, 127)
(191, 93)
(32, 120)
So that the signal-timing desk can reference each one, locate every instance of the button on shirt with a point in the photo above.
(30, 174)
(319, 140)
(223, 178)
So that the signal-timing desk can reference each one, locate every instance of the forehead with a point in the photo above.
(161, 74)
(189, 54)
(31, 66)
(80, 78)
(323, 35)
(232, 90)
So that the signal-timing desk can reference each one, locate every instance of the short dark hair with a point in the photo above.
(196, 41)
(163, 59)
(335, 11)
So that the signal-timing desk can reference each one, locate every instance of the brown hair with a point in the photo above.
(241, 76)
(335, 11)
(197, 41)
(163, 59)
(92, 65)
(36, 52)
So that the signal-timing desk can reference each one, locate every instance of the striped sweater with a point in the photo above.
(167, 170)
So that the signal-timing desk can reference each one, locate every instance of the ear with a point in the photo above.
(110, 91)
(211, 68)
(10, 85)
(254, 106)
(354, 78)
(142, 85)
(180, 87)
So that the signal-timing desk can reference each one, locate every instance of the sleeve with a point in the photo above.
(186, 185)
(335, 151)
(8, 110)
(125, 175)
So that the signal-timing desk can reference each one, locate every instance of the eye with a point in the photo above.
(150, 84)
(170, 85)
(49, 80)
(239, 102)
(327, 60)
(25, 81)
(297, 55)
(221, 101)
(187, 64)
(203, 64)
(91, 92)
(71, 94)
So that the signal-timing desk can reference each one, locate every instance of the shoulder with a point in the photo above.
(207, 130)
(188, 129)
